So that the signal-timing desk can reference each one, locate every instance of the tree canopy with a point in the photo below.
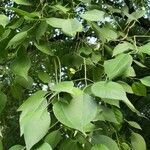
(74, 74)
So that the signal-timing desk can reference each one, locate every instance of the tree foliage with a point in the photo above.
(74, 74)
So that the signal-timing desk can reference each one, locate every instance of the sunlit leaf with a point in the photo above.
(117, 66)
(137, 142)
(123, 47)
(93, 15)
(134, 124)
(22, 2)
(34, 119)
(146, 80)
(73, 114)
(99, 147)
(4, 20)
(111, 90)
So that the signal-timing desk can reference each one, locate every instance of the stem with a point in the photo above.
(56, 73)
(85, 70)
(59, 64)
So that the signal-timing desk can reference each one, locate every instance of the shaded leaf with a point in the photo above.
(44, 48)
(45, 146)
(139, 89)
(21, 64)
(17, 39)
(70, 145)
(105, 140)
(3, 100)
(17, 147)
(53, 138)
(44, 77)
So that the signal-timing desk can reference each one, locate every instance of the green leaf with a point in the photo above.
(4, 20)
(139, 64)
(53, 138)
(45, 146)
(41, 29)
(21, 64)
(85, 1)
(3, 100)
(139, 89)
(34, 119)
(137, 142)
(27, 15)
(111, 90)
(17, 147)
(109, 115)
(17, 39)
(66, 86)
(1, 144)
(134, 124)
(55, 22)
(136, 15)
(23, 82)
(72, 60)
(22, 2)
(105, 33)
(126, 87)
(69, 26)
(16, 23)
(112, 102)
(44, 48)
(5, 34)
(105, 140)
(78, 113)
(125, 146)
(33, 102)
(123, 47)
(35, 124)
(44, 77)
(70, 145)
(146, 80)
(117, 66)
(61, 8)
(99, 147)
(145, 48)
(129, 72)
(93, 15)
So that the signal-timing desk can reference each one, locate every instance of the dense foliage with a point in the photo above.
(74, 75)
